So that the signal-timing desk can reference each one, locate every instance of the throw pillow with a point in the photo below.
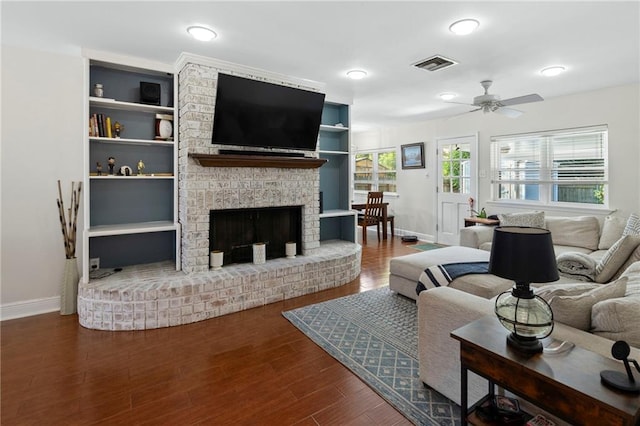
(633, 225)
(618, 319)
(612, 229)
(632, 272)
(575, 311)
(547, 292)
(530, 219)
(615, 257)
(634, 258)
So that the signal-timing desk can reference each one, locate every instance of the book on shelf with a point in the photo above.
(101, 131)
(93, 125)
(108, 127)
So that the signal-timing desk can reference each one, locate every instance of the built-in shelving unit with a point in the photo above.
(131, 219)
(337, 220)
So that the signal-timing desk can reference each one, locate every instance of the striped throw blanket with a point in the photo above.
(442, 275)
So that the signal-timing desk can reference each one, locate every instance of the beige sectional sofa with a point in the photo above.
(583, 235)
(469, 297)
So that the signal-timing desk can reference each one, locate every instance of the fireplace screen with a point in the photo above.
(234, 231)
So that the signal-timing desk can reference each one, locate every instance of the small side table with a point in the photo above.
(566, 385)
(471, 221)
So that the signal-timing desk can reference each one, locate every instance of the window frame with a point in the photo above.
(375, 181)
(546, 171)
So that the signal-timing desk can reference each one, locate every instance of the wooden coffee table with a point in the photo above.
(566, 385)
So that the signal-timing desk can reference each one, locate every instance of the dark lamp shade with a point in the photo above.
(524, 255)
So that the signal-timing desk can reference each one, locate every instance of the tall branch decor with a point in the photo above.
(69, 224)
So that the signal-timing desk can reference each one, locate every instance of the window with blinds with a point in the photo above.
(375, 171)
(564, 166)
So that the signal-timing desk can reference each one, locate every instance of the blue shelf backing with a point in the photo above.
(126, 250)
(333, 114)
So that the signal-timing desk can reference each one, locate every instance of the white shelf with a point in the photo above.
(327, 128)
(128, 106)
(126, 141)
(131, 228)
(145, 176)
(337, 213)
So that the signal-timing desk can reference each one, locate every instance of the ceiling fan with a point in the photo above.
(492, 103)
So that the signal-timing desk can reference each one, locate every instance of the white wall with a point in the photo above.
(618, 107)
(42, 136)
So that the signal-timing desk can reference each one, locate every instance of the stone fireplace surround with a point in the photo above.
(153, 296)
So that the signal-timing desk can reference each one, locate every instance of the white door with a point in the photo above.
(457, 171)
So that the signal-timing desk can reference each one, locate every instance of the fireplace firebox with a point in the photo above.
(234, 231)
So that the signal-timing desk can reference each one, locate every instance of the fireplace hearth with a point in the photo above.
(234, 231)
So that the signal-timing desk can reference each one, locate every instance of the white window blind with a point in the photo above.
(565, 166)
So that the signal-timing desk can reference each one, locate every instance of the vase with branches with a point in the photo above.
(69, 224)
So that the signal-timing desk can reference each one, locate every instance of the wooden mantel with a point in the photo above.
(232, 160)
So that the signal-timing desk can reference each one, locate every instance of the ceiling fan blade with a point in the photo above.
(462, 113)
(526, 99)
(508, 112)
(459, 103)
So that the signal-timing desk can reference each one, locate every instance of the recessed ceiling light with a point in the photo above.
(356, 74)
(464, 26)
(201, 33)
(553, 71)
(447, 96)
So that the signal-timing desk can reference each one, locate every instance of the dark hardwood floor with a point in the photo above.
(246, 368)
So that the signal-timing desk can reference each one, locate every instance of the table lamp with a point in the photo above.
(524, 255)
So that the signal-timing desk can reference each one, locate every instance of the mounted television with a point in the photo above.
(259, 114)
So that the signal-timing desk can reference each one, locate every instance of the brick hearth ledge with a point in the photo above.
(156, 295)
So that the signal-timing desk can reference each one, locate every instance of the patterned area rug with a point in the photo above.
(427, 246)
(375, 335)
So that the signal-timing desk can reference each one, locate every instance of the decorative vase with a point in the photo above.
(98, 90)
(217, 258)
(290, 250)
(69, 290)
(259, 253)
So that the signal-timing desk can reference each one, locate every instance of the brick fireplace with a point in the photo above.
(202, 189)
(155, 295)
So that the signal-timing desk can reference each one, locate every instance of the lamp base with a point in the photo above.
(619, 380)
(524, 345)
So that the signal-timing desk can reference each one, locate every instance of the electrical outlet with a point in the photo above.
(94, 263)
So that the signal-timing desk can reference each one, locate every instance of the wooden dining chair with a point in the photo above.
(372, 214)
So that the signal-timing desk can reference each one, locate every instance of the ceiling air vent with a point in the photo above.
(435, 63)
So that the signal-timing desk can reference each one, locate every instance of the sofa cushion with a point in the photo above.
(531, 219)
(618, 319)
(575, 310)
(615, 257)
(612, 228)
(633, 225)
(412, 265)
(581, 231)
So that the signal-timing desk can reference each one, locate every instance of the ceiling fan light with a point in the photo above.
(553, 71)
(201, 33)
(356, 74)
(464, 26)
(447, 96)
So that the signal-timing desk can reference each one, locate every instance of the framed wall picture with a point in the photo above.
(413, 155)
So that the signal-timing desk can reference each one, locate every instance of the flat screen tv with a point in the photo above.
(259, 114)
